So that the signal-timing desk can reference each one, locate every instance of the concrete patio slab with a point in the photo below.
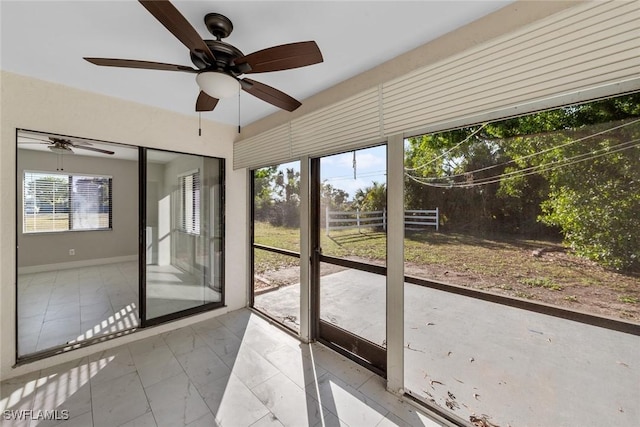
(477, 358)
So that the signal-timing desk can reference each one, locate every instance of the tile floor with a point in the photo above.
(62, 306)
(67, 306)
(170, 289)
(234, 370)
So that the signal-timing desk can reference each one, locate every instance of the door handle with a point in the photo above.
(317, 252)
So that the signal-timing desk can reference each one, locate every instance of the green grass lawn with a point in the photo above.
(501, 263)
(44, 222)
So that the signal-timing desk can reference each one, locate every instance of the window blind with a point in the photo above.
(190, 202)
(588, 51)
(54, 202)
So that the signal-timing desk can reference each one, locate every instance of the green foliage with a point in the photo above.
(276, 196)
(372, 198)
(600, 222)
(332, 197)
(573, 172)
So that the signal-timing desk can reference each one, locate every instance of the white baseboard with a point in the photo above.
(75, 264)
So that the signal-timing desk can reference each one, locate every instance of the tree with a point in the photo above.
(276, 196)
(262, 200)
(573, 171)
(372, 198)
(591, 187)
(438, 167)
(287, 187)
(332, 197)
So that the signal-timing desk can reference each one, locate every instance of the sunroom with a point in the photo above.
(447, 238)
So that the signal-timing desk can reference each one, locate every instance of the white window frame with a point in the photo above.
(35, 174)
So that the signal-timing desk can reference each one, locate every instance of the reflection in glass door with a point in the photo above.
(77, 251)
(183, 233)
(350, 253)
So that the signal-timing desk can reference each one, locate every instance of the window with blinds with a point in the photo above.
(189, 187)
(54, 202)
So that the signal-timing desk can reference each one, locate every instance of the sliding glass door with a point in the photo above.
(111, 238)
(77, 247)
(183, 234)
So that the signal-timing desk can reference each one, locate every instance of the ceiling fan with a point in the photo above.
(219, 65)
(63, 146)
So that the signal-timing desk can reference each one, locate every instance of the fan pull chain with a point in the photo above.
(238, 112)
(199, 123)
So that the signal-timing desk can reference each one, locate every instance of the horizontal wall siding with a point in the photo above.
(268, 148)
(581, 50)
(586, 47)
(339, 127)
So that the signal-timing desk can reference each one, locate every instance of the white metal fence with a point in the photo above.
(413, 219)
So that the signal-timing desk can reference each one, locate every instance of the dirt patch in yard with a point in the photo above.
(603, 299)
(550, 274)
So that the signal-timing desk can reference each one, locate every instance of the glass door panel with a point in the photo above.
(77, 256)
(183, 232)
(351, 254)
(276, 243)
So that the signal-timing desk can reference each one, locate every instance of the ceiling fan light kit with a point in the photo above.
(58, 149)
(219, 65)
(217, 84)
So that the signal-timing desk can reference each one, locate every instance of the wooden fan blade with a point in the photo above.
(21, 139)
(99, 150)
(48, 140)
(147, 65)
(206, 102)
(269, 94)
(282, 57)
(178, 25)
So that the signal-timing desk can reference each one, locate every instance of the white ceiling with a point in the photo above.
(47, 40)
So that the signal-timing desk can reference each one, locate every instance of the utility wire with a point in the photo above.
(363, 175)
(532, 170)
(448, 151)
(544, 167)
(530, 155)
(515, 172)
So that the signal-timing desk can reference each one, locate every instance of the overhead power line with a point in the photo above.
(424, 165)
(534, 169)
(546, 150)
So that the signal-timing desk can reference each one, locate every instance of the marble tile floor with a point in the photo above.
(235, 370)
(170, 289)
(63, 306)
(72, 305)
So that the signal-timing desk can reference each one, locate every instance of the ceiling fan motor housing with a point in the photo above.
(225, 55)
